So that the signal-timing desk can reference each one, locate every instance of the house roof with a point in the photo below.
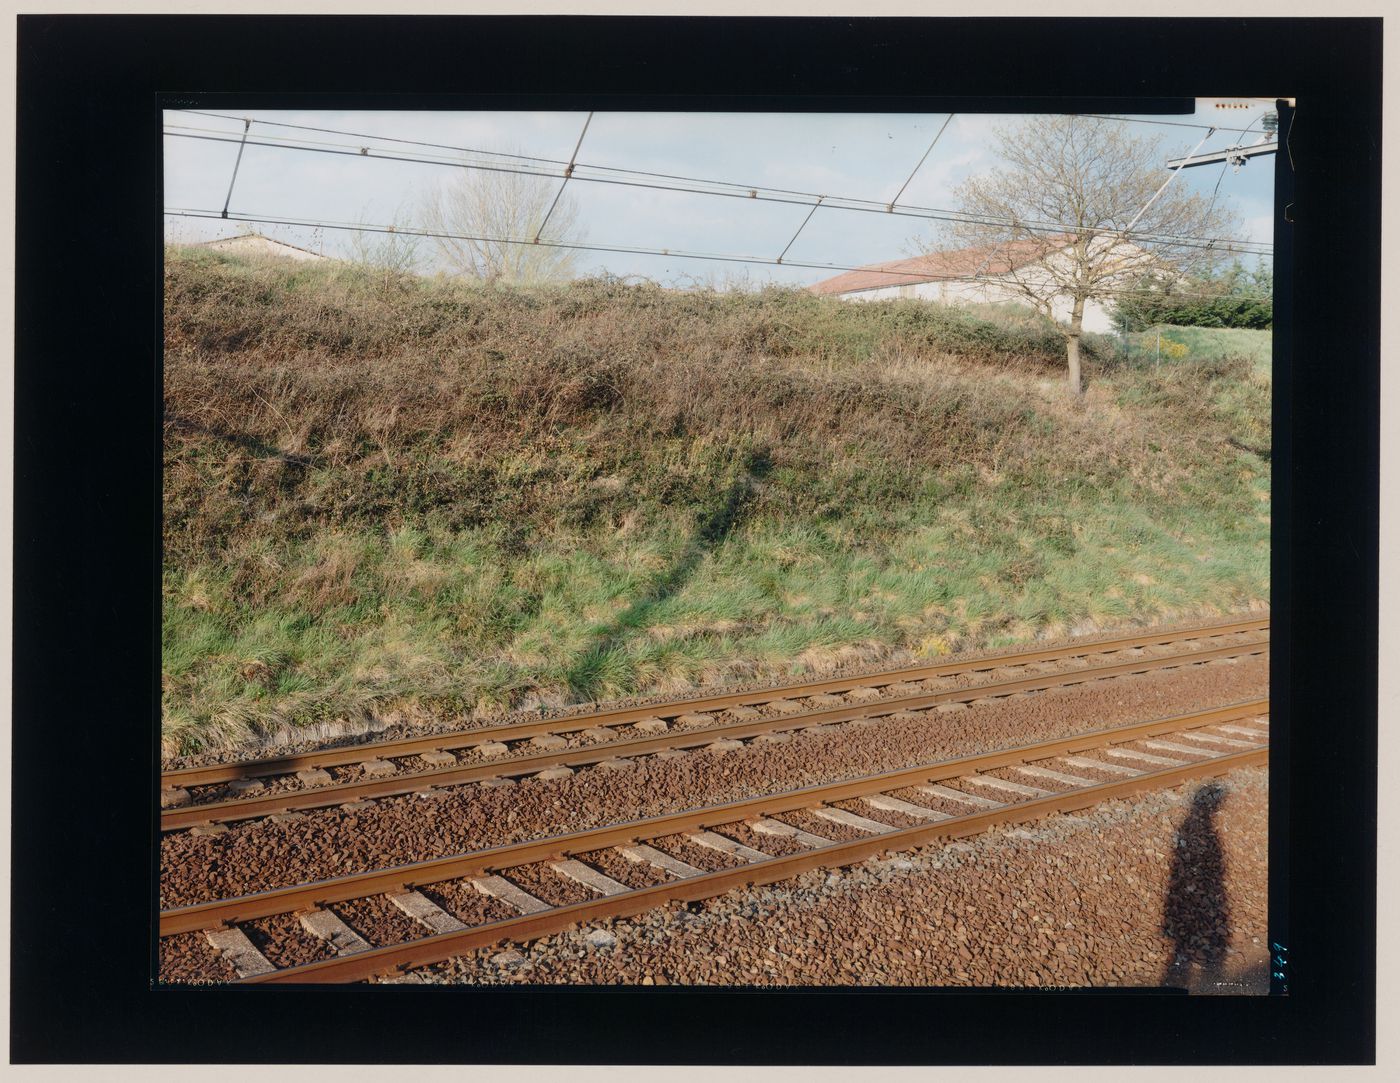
(961, 263)
(260, 237)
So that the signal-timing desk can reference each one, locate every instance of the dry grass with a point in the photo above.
(423, 496)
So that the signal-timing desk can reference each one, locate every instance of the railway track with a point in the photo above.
(236, 791)
(898, 810)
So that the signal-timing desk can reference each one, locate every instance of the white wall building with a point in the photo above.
(941, 276)
(255, 244)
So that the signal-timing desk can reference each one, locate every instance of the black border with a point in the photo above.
(87, 481)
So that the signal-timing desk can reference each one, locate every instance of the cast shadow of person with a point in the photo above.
(1196, 911)
(714, 525)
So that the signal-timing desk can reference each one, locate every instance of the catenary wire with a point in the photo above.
(735, 190)
(304, 223)
(568, 173)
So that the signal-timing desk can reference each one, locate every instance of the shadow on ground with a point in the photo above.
(714, 526)
(1196, 911)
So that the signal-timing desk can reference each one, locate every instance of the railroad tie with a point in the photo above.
(850, 819)
(958, 795)
(1054, 776)
(1171, 746)
(1145, 757)
(787, 831)
(498, 887)
(1099, 765)
(174, 797)
(234, 945)
(919, 812)
(327, 926)
(727, 846)
(426, 912)
(1211, 738)
(649, 855)
(588, 877)
(894, 804)
(1010, 787)
(1244, 731)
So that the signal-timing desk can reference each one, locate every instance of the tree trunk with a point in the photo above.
(1076, 328)
(1076, 385)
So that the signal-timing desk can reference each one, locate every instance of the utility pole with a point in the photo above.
(1237, 155)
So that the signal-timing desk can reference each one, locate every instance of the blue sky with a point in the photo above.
(865, 156)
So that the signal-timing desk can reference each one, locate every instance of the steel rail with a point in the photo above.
(409, 746)
(247, 808)
(211, 914)
(379, 962)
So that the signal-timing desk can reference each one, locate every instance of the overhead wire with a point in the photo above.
(1166, 182)
(718, 187)
(736, 191)
(568, 173)
(800, 228)
(906, 275)
(922, 160)
(1172, 123)
(236, 163)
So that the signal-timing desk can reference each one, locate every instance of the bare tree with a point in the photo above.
(1055, 220)
(484, 211)
(392, 252)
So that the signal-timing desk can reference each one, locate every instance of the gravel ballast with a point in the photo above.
(1167, 888)
(261, 854)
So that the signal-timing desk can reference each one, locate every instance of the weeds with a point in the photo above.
(423, 497)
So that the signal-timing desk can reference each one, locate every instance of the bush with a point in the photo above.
(1236, 298)
(404, 494)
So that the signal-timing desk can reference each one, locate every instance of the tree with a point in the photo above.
(392, 253)
(483, 210)
(1054, 219)
(1235, 298)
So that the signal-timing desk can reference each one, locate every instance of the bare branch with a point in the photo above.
(490, 205)
(1093, 179)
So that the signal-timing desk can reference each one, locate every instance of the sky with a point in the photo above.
(865, 156)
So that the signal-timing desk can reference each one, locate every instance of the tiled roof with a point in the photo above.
(260, 237)
(963, 263)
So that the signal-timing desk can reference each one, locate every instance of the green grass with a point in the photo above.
(432, 500)
(1209, 343)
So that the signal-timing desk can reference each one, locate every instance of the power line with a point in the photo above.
(304, 223)
(1172, 123)
(800, 228)
(236, 163)
(1166, 182)
(921, 162)
(568, 172)
(838, 202)
(734, 190)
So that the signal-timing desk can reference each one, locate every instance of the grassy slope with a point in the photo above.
(1209, 343)
(433, 498)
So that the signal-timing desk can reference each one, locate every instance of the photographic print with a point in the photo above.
(743, 549)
